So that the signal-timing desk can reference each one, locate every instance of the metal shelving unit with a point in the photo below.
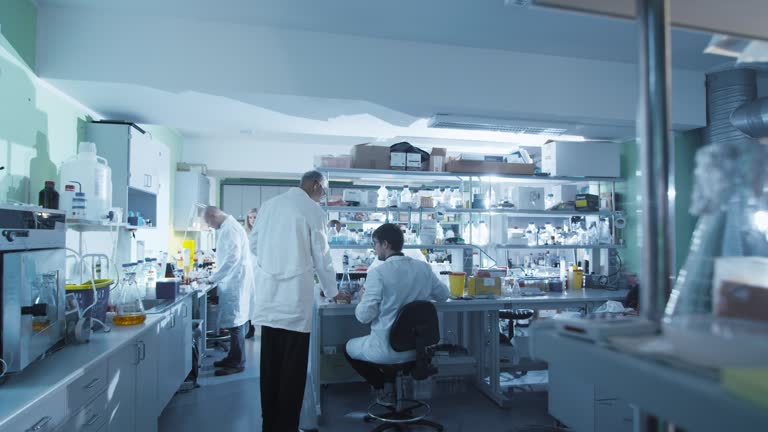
(500, 218)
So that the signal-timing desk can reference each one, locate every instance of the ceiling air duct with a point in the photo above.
(752, 118)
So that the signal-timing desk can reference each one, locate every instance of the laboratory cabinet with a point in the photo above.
(237, 199)
(127, 389)
(140, 166)
(191, 197)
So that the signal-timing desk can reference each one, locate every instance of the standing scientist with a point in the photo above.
(234, 284)
(289, 239)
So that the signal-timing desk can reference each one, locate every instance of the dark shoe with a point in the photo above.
(251, 332)
(229, 371)
(223, 363)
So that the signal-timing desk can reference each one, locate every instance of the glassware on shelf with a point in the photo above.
(394, 198)
(605, 232)
(532, 234)
(382, 197)
(406, 198)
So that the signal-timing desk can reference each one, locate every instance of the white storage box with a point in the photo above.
(529, 198)
(587, 159)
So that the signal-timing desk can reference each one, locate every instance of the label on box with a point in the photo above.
(413, 160)
(489, 282)
(397, 160)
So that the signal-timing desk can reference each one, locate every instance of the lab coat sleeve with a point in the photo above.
(439, 291)
(322, 261)
(227, 253)
(368, 308)
(253, 240)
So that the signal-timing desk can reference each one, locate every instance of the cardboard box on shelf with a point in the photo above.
(483, 167)
(330, 161)
(366, 156)
(587, 159)
(437, 159)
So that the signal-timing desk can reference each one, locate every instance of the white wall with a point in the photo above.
(416, 78)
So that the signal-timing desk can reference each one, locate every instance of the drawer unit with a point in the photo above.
(45, 415)
(85, 388)
(91, 417)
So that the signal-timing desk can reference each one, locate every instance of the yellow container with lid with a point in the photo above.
(457, 281)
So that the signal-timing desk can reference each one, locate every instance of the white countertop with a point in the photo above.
(587, 295)
(64, 366)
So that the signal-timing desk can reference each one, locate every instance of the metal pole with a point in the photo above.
(654, 145)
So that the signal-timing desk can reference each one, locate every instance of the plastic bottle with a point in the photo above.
(406, 197)
(95, 177)
(382, 197)
(48, 197)
(532, 234)
(343, 237)
(394, 199)
(150, 273)
(516, 289)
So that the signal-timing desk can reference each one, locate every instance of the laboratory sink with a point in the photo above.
(156, 306)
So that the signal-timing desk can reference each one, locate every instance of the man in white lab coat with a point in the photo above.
(234, 284)
(289, 239)
(399, 280)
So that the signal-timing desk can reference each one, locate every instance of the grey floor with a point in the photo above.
(224, 404)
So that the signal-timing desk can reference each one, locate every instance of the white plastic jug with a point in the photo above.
(94, 175)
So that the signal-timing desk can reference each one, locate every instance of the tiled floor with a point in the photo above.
(232, 404)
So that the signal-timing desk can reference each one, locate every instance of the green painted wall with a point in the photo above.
(684, 145)
(18, 24)
(41, 127)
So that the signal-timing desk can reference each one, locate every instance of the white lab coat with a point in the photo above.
(290, 242)
(413, 253)
(234, 274)
(393, 284)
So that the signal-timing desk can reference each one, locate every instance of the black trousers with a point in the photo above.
(371, 372)
(284, 357)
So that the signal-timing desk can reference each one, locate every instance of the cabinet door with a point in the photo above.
(121, 391)
(147, 408)
(251, 198)
(232, 201)
(165, 340)
(140, 165)
(269, 192)
(186, 328)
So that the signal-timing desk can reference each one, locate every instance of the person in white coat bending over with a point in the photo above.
(289, 239)
(234, 284)
(399, 280)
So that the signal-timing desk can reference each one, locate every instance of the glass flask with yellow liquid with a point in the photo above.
(129, 309)
(46, 287)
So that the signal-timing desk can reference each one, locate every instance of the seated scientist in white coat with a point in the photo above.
(234, 284)
(289, 239)
(399, 280)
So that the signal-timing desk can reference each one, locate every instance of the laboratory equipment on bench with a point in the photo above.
(129, 309)
(33, 257)
(94, 176)
(48, 197)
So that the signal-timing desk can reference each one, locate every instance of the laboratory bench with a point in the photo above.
(685, 395)
(475, 329)
(118, 381)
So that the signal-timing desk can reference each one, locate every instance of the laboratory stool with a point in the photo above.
(415, 328)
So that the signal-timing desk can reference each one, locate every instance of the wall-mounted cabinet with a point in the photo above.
(139, 168)
(191, 198)
(237, 199)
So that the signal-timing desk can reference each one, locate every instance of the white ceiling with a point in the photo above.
(226, 104)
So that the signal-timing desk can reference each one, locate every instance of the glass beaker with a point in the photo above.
(47, 287)
(129, 308)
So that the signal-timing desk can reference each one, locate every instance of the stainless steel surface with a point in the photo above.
(653, 126)
(22, 287)
(752, 118)
(31, 227)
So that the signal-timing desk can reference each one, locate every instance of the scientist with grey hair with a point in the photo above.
(289, 239)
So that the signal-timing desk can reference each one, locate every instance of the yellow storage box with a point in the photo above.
(484, 287)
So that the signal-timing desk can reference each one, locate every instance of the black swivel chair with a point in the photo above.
(415, 328)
